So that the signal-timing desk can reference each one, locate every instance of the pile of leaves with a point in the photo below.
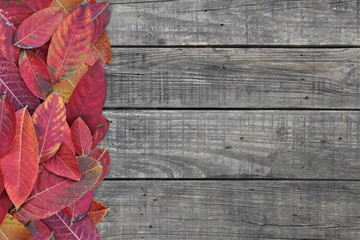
(52, 80)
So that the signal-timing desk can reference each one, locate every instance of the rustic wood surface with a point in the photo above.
(234, 22)
(234, 77)
(234, 144)
(216, 210)
(233, 119)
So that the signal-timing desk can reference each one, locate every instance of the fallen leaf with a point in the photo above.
(38, 4)
(20, 165)
(8, 50)
(66, 5)
(37, 29)
(35, 74)
(101, 48)
(7, 125)
(53, 193)
(64, 163)
(70, 44)
(5, 204)
(81, 137)
(87, 100)
(101, 155)
(49, 121)
(79, 209)
(13, 85)
(100, 13)
(11, 229)
(97, 212)
(15, 12)
(64, 229)
(100, 131)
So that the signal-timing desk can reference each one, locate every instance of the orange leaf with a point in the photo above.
(66, 5)
(66, 88)
(81, 137)
(49, 121)
(97, 211)
(20, 165)
(101, 48)
(70, 44)
(13, 229)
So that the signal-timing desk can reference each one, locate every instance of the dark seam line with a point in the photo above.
(238, 46)
(235, 179)
(229, 109)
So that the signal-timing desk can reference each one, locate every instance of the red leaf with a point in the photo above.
(7, 49)
(101, 155)
(70, 44)
(12, 84)
(87, 100)
(5, 204)
(7, 124)
(14, 12)
(49, 121)
(53, 193)
(20, 165)
(64, 163)
(38, 4)
(38, 229)
(67, 138)
(100, 131)
(100, 13)
(78, 209)
(65, 230)
(37, 29)
(97, 211)
(36, 74)
(81, 137)
(1, 182)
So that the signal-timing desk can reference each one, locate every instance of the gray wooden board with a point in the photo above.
(232, 77)
(241, 210)
(234, 144)
(229, 22)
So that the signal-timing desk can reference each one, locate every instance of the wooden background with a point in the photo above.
(233, 119)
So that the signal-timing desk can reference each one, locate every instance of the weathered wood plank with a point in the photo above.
(234, 144)
(230, 77)
(239, 210)
(228, 22)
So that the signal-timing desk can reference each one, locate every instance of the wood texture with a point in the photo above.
(233, 78)
(229, 22)
(218, 210)
(234, 144)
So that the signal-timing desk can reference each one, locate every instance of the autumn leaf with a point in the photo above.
(70, 44)
(66, 5)
(7, 124)
(101, 155)
(79, 209)
(53, 193)
(49, 121)
(38, 229)
(37, 29)
(13, 85)
(38, 4)
(100, 13)
(7, 49)
(20, 164)
(64, 163)
(64, 229)
(35, 74)
(100, 131)
(14, 12)
(5, 204)
(87, 100)
(11, 229)
(97, 212)
(67, 138)
(81, 137)
(101, 48)
(66, 88)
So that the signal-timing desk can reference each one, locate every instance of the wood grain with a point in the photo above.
(233, 78)
(217, 210)
(234, 144)
(228, 22)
